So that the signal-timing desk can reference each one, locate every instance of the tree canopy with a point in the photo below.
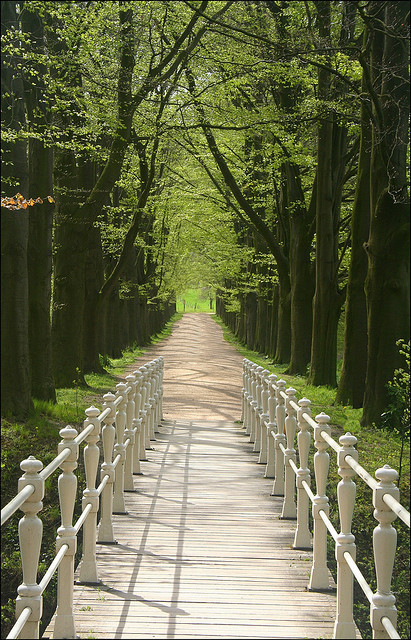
(258, 149)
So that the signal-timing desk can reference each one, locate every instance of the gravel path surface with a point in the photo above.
(202, 372)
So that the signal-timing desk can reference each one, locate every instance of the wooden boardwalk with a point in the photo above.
(202, 552)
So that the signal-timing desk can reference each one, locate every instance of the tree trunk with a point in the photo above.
(327, 299)
(388, 283)
(40, 219)
(15, 371)
(352, 381)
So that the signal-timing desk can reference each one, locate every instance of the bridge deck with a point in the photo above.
(202, 553)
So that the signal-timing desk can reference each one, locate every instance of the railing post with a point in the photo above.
(250, 380)
(151, 401)
(137, 424)
(161, 387)
(279, 438)
(64, 626)
(119, 506)
(302, 539)
(264, 418)
(157, 396)
(253, 403)
(30, 536)
(143, 414)
(289, 507)
(88, 567)
(105, 528)
(243, 392)
(384, 543)
(129, 433)
(270, 427)
(319, 580)
(258, 410)
(344, 623)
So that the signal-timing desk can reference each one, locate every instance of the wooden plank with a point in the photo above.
(202, 552)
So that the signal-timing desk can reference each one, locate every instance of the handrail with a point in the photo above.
(285, 415)
(12, 506)
(20, 622)
(136, 409)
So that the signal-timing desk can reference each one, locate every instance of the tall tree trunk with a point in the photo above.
(327, 298)
(388, 278)
(352, 381)
(40, 218)
(15, 371)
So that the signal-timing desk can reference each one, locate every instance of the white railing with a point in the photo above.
(135, 410)
(271, 416)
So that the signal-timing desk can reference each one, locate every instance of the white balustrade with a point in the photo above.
(262, 394)
(126, 409)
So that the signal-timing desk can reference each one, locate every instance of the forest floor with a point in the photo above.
(202, 372)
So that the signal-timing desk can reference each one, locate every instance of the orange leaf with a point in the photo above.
(50, 199)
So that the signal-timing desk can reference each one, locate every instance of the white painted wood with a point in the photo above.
(64, 626)
(279, 438)
(346, 490)
(302, 539)
(384, 544)
(30, 535)
(105, 527)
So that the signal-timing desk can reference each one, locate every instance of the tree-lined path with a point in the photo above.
(202, 552)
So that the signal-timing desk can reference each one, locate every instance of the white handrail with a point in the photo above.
(12, 506)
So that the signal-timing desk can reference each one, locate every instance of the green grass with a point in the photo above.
(195, 301)
(376, 447)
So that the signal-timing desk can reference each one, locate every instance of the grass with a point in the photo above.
(39, 435)
(376, 447)
(196, 301)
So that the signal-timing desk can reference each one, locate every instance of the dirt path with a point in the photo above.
(202, 372)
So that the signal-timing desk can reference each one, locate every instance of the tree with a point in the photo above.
(387, 284)
(15, 370)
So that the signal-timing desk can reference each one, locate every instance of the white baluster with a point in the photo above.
(279, 438)
(243, 392)
(264, 417)
(258, 410)
(88, 567)
(161, 387)
(271, 427)
(156, 396)
(129, 434)
(302, 539)
(143, 415)
(289, 510)
(137, 423)
(384, 542)
(249, 397)
(64, 626)
(344, 623)
(30, 536)
(119, 506)
(253, 403)
(105, 528)
(319, 579)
